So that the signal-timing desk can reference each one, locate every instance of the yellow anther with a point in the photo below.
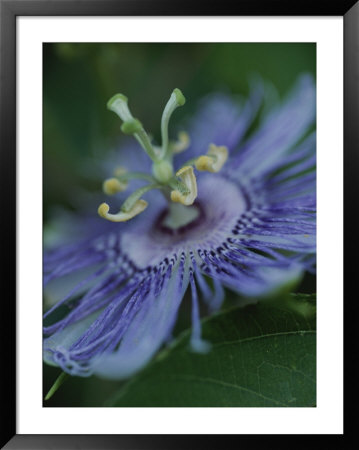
(187, 176)
(214, 160)
(204, 163)
(120, 171)
(113, 185)
(182, 143)
(138, 207)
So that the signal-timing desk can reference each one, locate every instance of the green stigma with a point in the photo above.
(179, 187)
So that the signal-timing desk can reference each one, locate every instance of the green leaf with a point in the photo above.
(262, 355)
(302, 304)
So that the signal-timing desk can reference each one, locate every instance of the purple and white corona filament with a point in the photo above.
(219, 203)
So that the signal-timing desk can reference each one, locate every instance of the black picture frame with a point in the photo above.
(9, 11)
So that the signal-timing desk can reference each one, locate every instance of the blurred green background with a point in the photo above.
(78, 80)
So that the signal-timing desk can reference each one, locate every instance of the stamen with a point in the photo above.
(178, 185)
(214, 160)
(182, 143)
(120, 183)
(186, 174)
(132, 206)
(136, 195)
(120, 171)
(121, 216)
(124, 176)
(112, 185)
(181, 188)
(177, 99)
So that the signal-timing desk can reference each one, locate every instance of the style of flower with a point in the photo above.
(225, 206)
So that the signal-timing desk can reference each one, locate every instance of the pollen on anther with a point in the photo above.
(112, 185)
(188, 177)
(138, 207)
(214, 160)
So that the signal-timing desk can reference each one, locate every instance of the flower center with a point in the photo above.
(150, 241)
(180, 188)
(178, 218)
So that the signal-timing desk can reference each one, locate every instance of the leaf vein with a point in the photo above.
(254, 338)
(225, 384)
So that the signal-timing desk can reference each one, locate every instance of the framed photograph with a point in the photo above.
(173, 277)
